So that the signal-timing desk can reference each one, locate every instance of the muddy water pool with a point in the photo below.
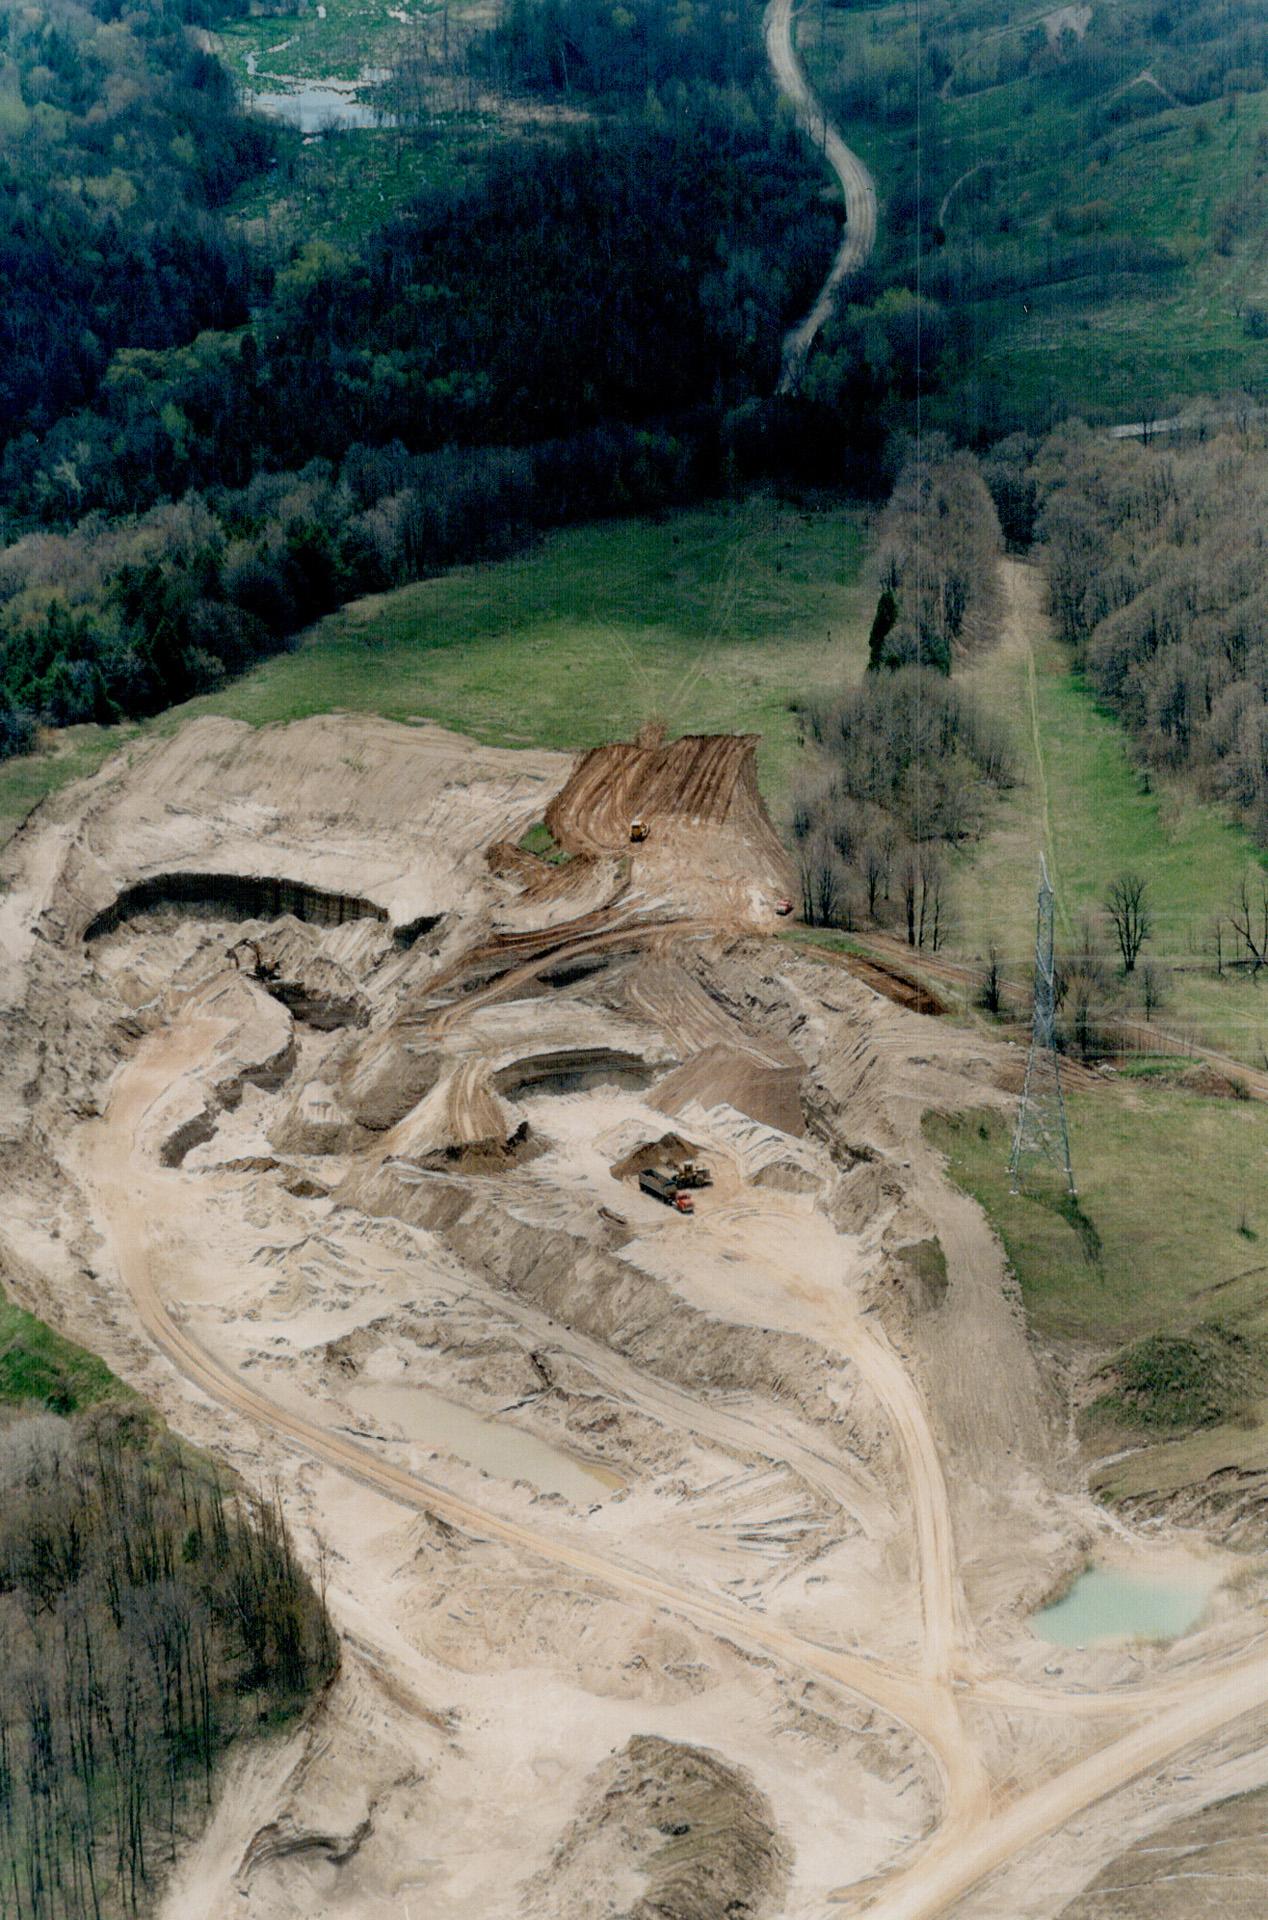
(494, 1446)
(1107, 1604)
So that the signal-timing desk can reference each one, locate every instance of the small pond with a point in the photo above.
(494, 1446)
(1105, 1604)
(317, 109)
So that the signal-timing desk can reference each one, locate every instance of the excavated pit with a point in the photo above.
(693, 1697)
(574, 1072)
(232, 896)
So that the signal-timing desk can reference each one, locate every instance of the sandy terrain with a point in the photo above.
(682, 1566)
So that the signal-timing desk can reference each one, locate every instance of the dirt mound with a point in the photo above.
(726, 1076)
(1211, 1865)
(666, 1829)
(661, 991)
(321, 818)
(1010, 1074)
(312, 986)
(671, 1149)
(895, 985)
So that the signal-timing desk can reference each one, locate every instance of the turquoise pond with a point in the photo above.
(1107, 1605)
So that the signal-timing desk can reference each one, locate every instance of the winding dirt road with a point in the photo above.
(151, 1222)
(857, 186)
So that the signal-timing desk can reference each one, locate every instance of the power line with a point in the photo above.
(1042, 1132)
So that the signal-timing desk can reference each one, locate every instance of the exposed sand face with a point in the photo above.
(726, 1527)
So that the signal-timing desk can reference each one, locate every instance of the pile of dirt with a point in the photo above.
(666, 1830)
(726, 1076)
(319, 991)
(709, 843)
(670, 1150)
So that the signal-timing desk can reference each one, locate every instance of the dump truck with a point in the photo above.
(638, 828)
(694, 1173)
(662, 1187)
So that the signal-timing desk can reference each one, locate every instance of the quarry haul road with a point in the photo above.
(857, 185)
(145, 1214)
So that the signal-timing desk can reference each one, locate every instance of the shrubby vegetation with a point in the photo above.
(1174, 1382)
(911, 760)
(147, 1614)
(939, 563)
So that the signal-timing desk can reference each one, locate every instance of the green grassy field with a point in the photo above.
(1172, 1252)
(1172, 1184)
(74, 752)
(712, 620)
(1083, 802)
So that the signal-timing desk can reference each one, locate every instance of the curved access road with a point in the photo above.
(857, 186)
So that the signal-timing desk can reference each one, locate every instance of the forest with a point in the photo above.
(582, 323)
(149, 1612)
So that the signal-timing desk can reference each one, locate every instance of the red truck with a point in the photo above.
(661, 1187)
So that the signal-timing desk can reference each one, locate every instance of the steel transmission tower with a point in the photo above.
(1041, 1123)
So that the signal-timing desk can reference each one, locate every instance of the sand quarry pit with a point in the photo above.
(682, 1566)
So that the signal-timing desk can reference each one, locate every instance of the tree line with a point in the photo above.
(906, 760)
(149, 1613)
(1158, 585)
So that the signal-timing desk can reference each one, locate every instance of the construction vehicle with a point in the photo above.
(638, 828)
(783, 905)
(662, 1188)
(694, 1173)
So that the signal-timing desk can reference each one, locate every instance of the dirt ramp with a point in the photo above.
(461, 1121)
(665, 1830)
(702, 780)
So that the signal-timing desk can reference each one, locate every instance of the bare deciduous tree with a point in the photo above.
(1248, 916)
(1155, 984)
(1130, 915)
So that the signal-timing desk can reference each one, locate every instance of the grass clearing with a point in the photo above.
(1166, 1181)
(1082, 799)
(339, 187)
(710, 619)
(38, 1365)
